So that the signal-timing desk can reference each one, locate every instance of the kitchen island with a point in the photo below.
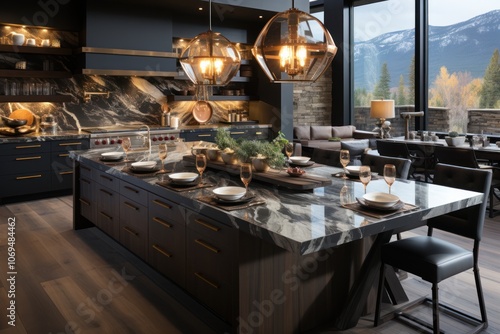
(292, 264)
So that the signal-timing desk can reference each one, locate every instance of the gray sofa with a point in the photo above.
(317, 136)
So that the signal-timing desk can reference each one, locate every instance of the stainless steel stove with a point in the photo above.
(139, 135)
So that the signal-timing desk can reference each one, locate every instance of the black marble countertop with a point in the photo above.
(40, 136)
(302, 222)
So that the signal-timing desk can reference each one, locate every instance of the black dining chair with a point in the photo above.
(434, 259)
(466, 157)
(377, 163)
(391, 148)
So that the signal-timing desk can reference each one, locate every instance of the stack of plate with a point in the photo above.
(144, 166)
(183, 178)
(381, 200)
(111, 156)
(301, 161)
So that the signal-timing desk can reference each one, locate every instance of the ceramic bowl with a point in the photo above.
(229, 193)
(354, 170)
(144, 165)
(381, 199)
(300, 160)
(112, 155)
(183, 177)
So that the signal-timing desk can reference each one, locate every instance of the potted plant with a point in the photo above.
(453, 139)
(227, 145)
(262, 155)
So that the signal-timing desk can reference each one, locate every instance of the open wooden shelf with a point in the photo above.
(36, 50)
(5, 73)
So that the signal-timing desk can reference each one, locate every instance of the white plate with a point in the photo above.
(143, 165)
(353, 169)
(183, 177)
(298, 160)
(111, 155)
(229, 193)
(382, 200)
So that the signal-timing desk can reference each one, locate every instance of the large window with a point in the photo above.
(462, 45)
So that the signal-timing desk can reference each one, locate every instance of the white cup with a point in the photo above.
(45, 42)
(174, 122)
(17, 39)
(31, 42)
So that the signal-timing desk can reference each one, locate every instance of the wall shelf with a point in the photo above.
(35, 98)
(172, 98)
(34, 74)
(128, 52)
(36, 50)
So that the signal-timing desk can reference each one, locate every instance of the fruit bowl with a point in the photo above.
(295, 171)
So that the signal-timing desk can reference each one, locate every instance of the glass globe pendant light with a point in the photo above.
(210, 59)
(294, 46)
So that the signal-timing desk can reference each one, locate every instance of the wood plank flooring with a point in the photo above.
(83, 282)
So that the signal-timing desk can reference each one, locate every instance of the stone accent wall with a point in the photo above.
(487, 120)
(312, 103)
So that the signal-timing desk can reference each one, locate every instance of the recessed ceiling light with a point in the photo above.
(200, 8)
(260, 16)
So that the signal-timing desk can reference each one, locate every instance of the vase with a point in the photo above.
(455, 141)
(260, 164)
(214, 154)
(228, 158)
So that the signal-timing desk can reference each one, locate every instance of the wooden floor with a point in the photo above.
(83, 282)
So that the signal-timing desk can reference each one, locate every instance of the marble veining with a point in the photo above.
(305, 222)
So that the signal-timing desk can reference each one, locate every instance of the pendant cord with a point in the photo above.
(210, 14)
(293, 3)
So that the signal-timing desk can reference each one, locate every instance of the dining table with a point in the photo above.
(323, 230)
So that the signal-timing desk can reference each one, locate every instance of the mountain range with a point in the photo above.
(462, 47)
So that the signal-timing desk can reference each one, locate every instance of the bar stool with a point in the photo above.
(434, 259)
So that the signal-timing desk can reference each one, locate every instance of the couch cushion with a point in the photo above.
(346, 131)
(321, 132)
(355, 147)
(302, 132)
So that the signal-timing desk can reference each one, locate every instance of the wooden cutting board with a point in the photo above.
(23, 114)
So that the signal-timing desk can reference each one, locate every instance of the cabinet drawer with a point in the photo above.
(133, 192)
(87, 200)
(61, 179)
(85, 171)
(25, 148)
(69, 145)
(258, 134)
(134, 227)
(106, 179)
(108, 211)
(195, 136)
(219, 234)
(60, 161)
(166, 209)
(24, 163)
(24, 183)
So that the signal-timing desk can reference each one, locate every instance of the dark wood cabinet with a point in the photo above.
(60, 163)
(258, 133)
(167, 238)
(211, 274)
(87, 200)
(133, 220)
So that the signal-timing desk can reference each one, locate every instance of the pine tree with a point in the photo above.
(490, 93)
(382, 89)
(411, 81)
(401, 97)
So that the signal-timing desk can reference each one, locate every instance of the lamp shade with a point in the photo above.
(294, 46)
(382, 109)
(210, 59)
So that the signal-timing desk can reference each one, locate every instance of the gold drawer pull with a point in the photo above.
(70, 144)
(64, 155)
(106, 215)
(131, 231)
(29, 177)
(207, 246)
(212, 284)
(162, 222)
(131, 189)
(107, 178)
(258, 133)
(106, 192)
(207, 225)
(29, 158)
(161, 251)
(205, 135)
(238, 133)
(163, 204)
(84, 202)
(28, 146)
(66, 173)
(131, 206)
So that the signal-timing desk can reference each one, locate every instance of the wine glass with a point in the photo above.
(365, 175)
(162, 154)
(126, 145)
(288, 151)
(389, 175)
(246, 174)
(344, 160)
(201, 164)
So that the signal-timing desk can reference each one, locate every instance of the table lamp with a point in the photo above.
(382, 109)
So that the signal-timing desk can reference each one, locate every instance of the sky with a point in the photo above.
(396, 15)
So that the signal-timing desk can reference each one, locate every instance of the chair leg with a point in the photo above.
(480, 297)
(435, 308)
(379, 294)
